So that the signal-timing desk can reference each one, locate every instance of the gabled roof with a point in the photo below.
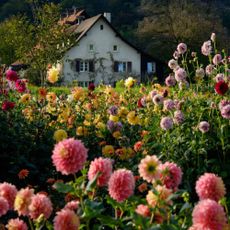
(87, 24)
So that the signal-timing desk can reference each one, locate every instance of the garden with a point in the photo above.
(132, 157)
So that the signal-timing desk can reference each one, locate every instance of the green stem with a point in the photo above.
(31, 224)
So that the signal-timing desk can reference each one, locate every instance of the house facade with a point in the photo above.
(101, 55)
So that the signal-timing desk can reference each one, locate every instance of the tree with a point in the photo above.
(38, 41)
(169, 22)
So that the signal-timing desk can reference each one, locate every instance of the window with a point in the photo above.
(122, 67)
(84, 65)
(101, 27)
(91, 47)
(151, 67)
(84, 83)
(115, 48)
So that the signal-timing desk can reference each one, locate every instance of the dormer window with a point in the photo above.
(91, 47)
(115, 48)
(101, 27)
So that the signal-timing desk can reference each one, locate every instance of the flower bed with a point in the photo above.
(151, 157)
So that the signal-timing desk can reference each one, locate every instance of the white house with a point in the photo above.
(101, 55)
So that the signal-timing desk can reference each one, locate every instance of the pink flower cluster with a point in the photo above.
(102, 166)
(121, 185)
(69, 156)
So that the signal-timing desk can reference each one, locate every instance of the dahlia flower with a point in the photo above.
(4, 206)
(221, 87)
(23, 200)
(206, 48)
(60, 135)
(40, 204)
(121, 185)
(166, 123)
(69, 156)
(8, 191)
(217, 59)
(204, 126)
(16, 224)
(170, 80)
(208, 214)
(102, 166)
(66, 220)
(52, 75)
(143, 210)
(171, 175)
(180, 74)
(182, 48)
(149, 168)
(11, 75)
(210, 186)
(225, 112)
(178, 117)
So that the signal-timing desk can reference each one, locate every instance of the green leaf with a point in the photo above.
(63, 188)
(92, 183)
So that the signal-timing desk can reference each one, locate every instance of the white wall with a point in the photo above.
(103, 41)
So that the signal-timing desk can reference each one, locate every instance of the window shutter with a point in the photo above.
(115, 67)
(91, 66)
(129, 69)
(77, 66)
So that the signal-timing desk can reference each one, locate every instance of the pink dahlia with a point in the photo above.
(69, 156)
(8, 191)
(166, 123)
(121, 184)
(11, 75)
(143, 210)
(225, 112)
(206, 48)
(149, 168)
(203, 126)
(40, 204)
(102, 166)
(209, 214)
(16, 224)
(171, 175)
(4, 206)
(210, 186)
(180, 75)
(72, 205)
(173, 64)
(217, 59)
(182, 48)
(170, 80)
(219, 77)
(209, 69)
(66, 220)
(23, 200)
(178, 117)
(158, 99)
(169, 105)
(160, 198)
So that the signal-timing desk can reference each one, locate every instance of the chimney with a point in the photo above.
(107, 16)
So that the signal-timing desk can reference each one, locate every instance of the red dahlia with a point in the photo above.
(221, 87)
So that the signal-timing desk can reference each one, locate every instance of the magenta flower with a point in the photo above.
(225, 111)
(69, 156)
(20, 86)
(170, 80)
(11, 75)
(102, 166)
(121, 185)
(210, 186)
